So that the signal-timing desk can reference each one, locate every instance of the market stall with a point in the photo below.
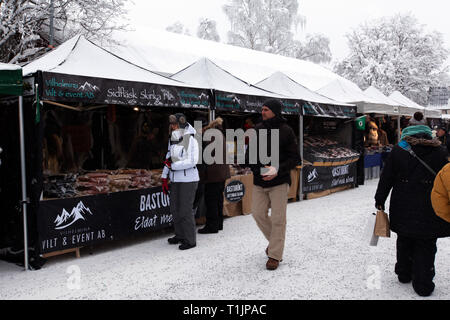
(325, 136)
(11, 85)
(377, 119)
(239, 104)
(96, 118)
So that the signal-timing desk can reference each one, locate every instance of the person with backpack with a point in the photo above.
(180, 167)
(440, 195)
(409, 172)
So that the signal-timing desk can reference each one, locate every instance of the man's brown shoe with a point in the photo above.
(272, 264)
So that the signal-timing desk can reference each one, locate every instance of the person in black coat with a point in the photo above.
(444, 137)
(271, 180)
(411, 213)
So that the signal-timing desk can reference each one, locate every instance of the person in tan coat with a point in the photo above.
(440, 195)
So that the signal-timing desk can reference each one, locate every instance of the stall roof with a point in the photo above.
(413, 107)
(400, 98)
(80, 71)
(167, 52)
(345, 91)
(385, 104)
(11, 82)
(206, 74)
(231, 93)
(79, 56)
(315, 103)
(281, 83)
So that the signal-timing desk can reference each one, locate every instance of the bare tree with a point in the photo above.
(178, 27)
(25, 24)
(271, 26)
(207, 30)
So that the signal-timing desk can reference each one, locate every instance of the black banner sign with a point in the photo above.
(314, 109)
(234, 191)
(72, 88)
(139, 211)
(77, 222)
(328, 177)
(74, 222)
(246, 103)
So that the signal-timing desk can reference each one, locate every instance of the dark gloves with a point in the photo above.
(379, 206)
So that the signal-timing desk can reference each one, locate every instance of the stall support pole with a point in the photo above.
(399, 135)
(300, 129)
(212, 115)
(24, 186)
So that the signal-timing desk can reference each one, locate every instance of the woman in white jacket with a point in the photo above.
(180, 167)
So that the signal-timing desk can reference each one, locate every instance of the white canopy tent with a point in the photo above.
(387, 106)
(283, 84)
(168, 52)
(79, 56)
(413, 107)
(206, 74)
(347, 91)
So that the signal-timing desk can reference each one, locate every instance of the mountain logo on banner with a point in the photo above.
(203, 96)
(313, 175)
(66, 219)
(88, 87)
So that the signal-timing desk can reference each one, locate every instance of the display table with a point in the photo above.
(372, 166)
(374, 162)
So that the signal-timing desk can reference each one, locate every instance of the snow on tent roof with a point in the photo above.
(400, 98)
(345, 91)
(281, 83)
(81, 57)
(385, 104)
(206, 74)
(9, 66)
(376, 94)
(232, 93)
(414, 107)
(168, 52)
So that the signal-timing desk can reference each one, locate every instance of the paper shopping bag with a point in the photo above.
(369, 232)
(382, 228)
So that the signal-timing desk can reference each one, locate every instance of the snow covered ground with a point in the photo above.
(326, 257)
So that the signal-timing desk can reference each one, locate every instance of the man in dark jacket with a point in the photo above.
(213, 176)
(444, 137)
(411, 213)
(271, 183)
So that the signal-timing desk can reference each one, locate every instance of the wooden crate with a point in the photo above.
(57, 253)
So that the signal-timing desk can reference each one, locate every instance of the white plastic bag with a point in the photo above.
(369, 231)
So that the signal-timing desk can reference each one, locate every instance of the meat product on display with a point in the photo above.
(318, 149)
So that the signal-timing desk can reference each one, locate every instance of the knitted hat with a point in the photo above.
(413, 130)
(275, 105)
(417, 119)
(178, 118)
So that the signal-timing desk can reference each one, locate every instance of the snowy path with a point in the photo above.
(326, 257)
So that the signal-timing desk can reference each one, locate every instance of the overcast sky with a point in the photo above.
(333, 18)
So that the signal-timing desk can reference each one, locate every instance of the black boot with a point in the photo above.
(174, 240)
(185, 246)
(206, 230)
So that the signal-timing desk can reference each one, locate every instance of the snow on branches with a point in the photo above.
(395, 53)
(25, 24)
